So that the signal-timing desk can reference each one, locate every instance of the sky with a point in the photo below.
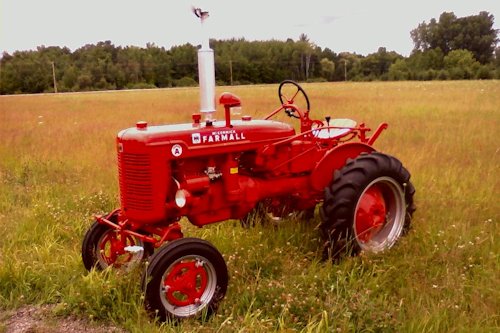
(360, 26)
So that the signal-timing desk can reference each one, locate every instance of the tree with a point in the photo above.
(306, 51)
(70, 78)
(184, 60)
(376, 66)
(348, 67)
(327, 68)
(399, 70)
(106, 66)
(461, 64)
(474, 33)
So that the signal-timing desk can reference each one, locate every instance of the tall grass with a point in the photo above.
(57, 168)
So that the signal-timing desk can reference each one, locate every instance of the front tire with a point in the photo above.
(102, 247)
(367, 207)
(185, 278)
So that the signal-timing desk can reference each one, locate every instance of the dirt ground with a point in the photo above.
(39, 319)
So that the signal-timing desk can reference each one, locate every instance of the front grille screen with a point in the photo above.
(136, 183)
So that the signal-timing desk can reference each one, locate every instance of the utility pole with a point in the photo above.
(54, 77)
(345, 69)
(231, 71)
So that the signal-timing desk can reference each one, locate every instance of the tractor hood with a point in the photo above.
(197, 136)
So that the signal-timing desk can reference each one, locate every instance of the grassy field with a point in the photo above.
(58, 167)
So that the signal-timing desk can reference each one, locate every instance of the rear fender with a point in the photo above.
(335, 159)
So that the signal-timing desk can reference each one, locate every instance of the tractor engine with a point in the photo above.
(207, 171)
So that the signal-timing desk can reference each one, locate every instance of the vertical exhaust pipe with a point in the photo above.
(206, 71)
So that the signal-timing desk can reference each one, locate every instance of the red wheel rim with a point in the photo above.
(188, 285)
(370, 213)
(379, 216)
(185, 283)
(112, 250)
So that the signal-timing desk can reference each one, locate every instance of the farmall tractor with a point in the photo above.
(209, 171)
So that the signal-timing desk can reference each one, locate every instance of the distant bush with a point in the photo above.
(497, 74)
(141, 85)
(484, 73)
(461, 64)
(186, 81)
(316, 79)
(442, 75)
(398, 75)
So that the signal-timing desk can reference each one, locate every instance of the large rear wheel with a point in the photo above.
(367, 207)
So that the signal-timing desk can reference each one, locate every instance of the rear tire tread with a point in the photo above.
(342, 194)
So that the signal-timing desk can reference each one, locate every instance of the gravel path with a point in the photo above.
(40, 319)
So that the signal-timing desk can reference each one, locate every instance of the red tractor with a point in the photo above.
(210, 171)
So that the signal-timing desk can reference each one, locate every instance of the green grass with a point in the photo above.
(57, 168)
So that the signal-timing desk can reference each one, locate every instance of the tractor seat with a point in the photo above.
(343, 127)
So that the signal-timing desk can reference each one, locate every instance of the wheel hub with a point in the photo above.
(186, 283)
(370, 214)
(112, 249)
(379, 215)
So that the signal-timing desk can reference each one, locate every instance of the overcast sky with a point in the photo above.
(351, 25)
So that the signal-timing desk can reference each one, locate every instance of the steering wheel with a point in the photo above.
(288, 93)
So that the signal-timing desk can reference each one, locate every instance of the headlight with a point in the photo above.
(181, 197)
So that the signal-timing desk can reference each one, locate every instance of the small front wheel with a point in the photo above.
(185, 278)
(103, 247)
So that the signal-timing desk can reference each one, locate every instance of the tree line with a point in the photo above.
(447, 48)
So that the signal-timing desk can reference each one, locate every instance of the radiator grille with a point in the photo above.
(136, 183)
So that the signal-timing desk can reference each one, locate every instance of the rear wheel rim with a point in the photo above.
(188, 285)
(379, 215)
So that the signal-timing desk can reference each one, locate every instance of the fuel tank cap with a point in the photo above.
(141, 125)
